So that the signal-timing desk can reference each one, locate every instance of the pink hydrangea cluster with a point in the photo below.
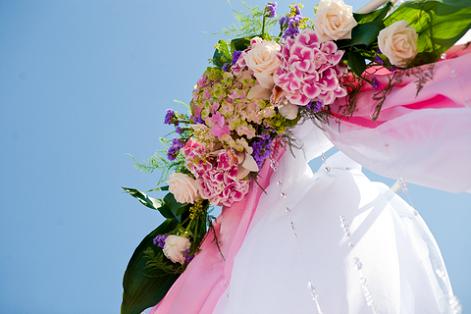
(310, 70)
(216, 174)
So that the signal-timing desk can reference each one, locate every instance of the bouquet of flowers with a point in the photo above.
(259, 86)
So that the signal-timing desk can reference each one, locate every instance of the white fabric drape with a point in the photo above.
(335, 242)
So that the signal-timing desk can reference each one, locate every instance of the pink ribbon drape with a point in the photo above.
(206, 278)
(425, 137)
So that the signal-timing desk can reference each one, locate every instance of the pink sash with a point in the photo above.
(200, 287)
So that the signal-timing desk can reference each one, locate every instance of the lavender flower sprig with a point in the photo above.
(270, 9)
(159, 240)
(290, 24)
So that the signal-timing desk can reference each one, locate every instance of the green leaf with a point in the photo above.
(240, 44)
(439, 23)
(377, 15)
(356, 62)
(158, 189)
(176, 210)
(366, 34)
(142, 291)
(168, 206)
(368, 28)
(222, 54)
(363, 35)
(424, 58)
(145, 200)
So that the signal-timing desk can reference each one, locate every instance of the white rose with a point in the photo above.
(263, 60)
(334, 20)
(289, 111)
(175, 247)
(398, 42)
(183, 187)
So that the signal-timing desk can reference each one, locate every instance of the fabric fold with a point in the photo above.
(423, 137)
(206, 278)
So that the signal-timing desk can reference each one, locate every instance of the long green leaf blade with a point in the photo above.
(141, 291)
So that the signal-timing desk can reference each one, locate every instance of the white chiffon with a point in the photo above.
(429, 147)
(335, 242)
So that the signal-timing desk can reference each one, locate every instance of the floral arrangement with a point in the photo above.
(258, 87)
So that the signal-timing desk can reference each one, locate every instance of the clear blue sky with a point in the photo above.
(82, 84)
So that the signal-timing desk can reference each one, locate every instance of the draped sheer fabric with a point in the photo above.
(424, 137)
(335, 242)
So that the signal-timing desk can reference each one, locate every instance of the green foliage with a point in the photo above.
(366, 34)
(145, 200)
(439, 23)
(149, 274)
(240, 43)
(356, 62)
(377, 15)
(157, 265)
(250, 24)
(159, 162)
(363, 43)
(222, 54)
(168, 206)
(145, 286)
(224, 50)
(368, 28)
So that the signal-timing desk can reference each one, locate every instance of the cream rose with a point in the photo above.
(175, 247)
(263, 60)
(334, 20)
(398, 42)
(289, 111)
(258, 92)
(183, 188)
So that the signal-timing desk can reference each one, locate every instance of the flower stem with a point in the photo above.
(263, 22)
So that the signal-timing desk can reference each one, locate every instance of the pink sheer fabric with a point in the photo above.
(424, 138)
(200, 287)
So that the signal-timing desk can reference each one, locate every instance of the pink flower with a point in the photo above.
(218, 125)
(193, 149)
(240, 64)
(216, 175)
(309, 70)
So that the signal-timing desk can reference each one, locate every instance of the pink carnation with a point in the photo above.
(216, 174)
(193, 150)
(309, 70)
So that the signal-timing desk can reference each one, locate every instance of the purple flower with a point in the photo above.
(188, 256)
(159, 240)
(378, 60)
(225, 67)
(290, 24)
(315, 106)
(291, 31)
(283, 21)
(235, 56)
(173, 150)
(270, 9)
(196, 118)
(179, 130)
(170, 117)
(375, 83)
(262, 148)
